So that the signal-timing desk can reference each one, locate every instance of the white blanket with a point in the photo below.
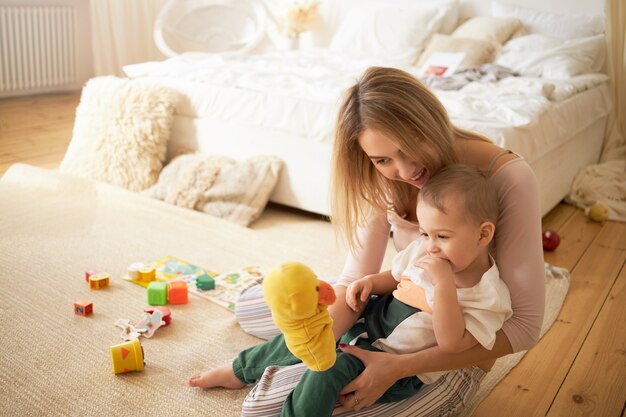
(316, 78)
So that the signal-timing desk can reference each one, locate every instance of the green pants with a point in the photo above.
(317, 392)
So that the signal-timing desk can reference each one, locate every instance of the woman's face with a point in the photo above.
(391, 162)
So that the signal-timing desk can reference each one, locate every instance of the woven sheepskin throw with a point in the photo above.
(121, 131)
(218, 185)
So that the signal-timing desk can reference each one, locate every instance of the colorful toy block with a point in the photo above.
(83, 307)
(205, 282)
(133, 270)
(157, 293)
(99, 280)
(177, 292)
(147, 273)
(127, 357)
(167, 315)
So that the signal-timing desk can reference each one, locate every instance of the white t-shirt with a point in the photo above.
(485, 307)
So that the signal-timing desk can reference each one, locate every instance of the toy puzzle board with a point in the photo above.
(228, 286)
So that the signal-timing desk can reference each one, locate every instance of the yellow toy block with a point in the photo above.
(147, 273)
(99, 280)
(127, 357)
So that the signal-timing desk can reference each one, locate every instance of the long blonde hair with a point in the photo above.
(398, 105)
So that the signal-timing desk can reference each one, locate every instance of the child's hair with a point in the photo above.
(465, 185)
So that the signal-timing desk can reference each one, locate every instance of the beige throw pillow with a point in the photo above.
(493, 29)
(121, 131)
(477, 52)
(218, 185)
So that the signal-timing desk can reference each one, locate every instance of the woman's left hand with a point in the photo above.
(372, 383)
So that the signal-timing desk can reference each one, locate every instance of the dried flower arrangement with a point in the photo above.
(299, 17)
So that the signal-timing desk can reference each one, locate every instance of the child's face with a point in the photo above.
(450, 235)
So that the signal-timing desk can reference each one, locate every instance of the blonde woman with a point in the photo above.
(392, 135)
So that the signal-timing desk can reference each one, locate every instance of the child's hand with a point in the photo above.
(358, 293)
(436, 270)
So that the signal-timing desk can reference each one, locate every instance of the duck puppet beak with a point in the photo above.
(326, 293)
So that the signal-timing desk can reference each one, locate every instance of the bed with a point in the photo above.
(283, 102)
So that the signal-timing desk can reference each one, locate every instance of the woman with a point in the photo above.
(392, 135)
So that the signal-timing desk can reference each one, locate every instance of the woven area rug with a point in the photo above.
(54, 227)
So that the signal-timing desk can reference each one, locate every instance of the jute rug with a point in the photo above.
(52, 362)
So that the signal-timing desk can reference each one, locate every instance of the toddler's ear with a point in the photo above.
(487, 230)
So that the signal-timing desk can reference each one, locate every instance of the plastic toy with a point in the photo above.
(167, 315)
(157, 293)
(133, 270)
(551, 240)
(598, 213)
(83, 307)
(127, 357)
(205, 282)
(147, 325)
(177, 292)
(147, 273)
(99, 280)
(298, 301)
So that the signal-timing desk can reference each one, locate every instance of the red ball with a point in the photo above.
(551, 240)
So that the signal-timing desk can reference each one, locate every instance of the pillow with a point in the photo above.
(219, 185)
(566, 26)
(477, 52)
(389, 34)
(493, 29)
(548, 57)
(121, 131)
(332, 13)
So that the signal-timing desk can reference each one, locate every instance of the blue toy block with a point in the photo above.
(157, 293)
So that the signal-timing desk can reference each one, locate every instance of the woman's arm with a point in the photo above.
(365, 260)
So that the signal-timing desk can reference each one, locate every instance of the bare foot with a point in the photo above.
(223, 376)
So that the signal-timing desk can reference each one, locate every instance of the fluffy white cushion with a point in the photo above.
(393, 34)
(218, 185)
(548, 57)
(566, 26)
(477, 52)
(493, 29)
(121, 131)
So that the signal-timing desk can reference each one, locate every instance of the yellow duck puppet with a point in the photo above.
(298, 301)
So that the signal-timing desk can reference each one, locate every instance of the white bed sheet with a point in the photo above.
(299, 93)
(285, 104)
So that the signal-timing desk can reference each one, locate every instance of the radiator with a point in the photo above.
(37, 47)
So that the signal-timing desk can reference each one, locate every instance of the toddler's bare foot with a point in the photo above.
(223, 376)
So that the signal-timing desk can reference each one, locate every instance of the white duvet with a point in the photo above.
(299, 91)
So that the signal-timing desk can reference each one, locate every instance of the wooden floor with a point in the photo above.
(579, 366)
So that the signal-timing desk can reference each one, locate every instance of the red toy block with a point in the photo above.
(177, 292)
(167, 315)
(83, 307)
(89, 274)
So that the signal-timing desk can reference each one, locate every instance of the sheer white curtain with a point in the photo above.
(614, 144)
(122, 33)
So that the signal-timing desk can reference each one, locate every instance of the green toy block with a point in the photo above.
(205, 282)
(157, 293)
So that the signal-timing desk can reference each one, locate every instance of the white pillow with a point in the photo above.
(493, 29)
(548, 57)
(566, 26)
(333, 12)
(391, 34)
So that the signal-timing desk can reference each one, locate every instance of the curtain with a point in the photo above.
(122, 33)
(614, 144)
